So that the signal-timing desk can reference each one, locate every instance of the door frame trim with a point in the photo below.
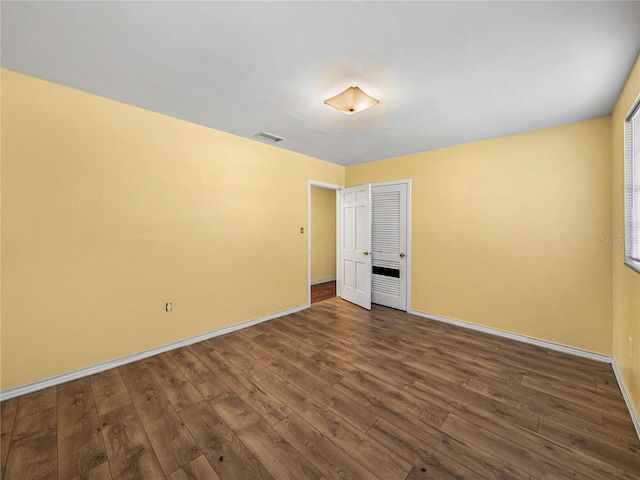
(328, 186)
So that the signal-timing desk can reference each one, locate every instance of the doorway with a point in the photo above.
(322, 240)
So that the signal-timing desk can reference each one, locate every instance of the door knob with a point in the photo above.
(402, 254)
(365, 253)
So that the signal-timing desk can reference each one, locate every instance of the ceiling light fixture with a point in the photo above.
(352, 101)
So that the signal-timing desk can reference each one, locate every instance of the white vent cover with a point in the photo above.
(269, 136)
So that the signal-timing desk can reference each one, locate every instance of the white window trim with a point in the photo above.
(632, 187)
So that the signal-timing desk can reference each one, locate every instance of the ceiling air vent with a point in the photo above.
(268, 136)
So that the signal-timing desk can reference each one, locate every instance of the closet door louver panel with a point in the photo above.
(385, 222)
(386, 242)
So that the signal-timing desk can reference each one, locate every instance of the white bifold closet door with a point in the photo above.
(389, 245)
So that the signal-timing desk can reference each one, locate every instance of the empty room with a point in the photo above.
(320, 240)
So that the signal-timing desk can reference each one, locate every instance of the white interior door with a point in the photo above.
(389, 245)
(355, 245)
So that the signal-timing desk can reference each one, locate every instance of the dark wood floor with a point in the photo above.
(323, 291)
(333, 392)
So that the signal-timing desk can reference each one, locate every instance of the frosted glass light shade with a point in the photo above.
(352, 101)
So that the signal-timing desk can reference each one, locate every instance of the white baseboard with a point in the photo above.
(325, 280)
(632, 411)
(520, 338)
(116, 362)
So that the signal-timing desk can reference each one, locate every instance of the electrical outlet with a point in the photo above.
(168, 307)
(630, 347)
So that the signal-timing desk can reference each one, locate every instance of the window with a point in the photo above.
(632, 189)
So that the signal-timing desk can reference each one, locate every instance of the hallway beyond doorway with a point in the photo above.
(323, 291)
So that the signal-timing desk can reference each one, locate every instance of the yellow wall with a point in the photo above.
(323, 234)
(507, 232)
(626, 282)
(110, 211)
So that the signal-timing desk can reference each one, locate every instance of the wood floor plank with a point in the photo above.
(586, 396)
(512, 347)
(458, 340)
(332, 461)
(533, 401)
(197, 469)
(586, 364)
(248, 348)
(322, 332)
(518, 456)
(109, 391)
(360, 417)
(255, 370)
(8, 412)
(101, 472)
(385, 396)
(80, 443)
(441, 455)
(536, 364)
(629, 458)
(558, 452)
(193, 368)
(529, 460)
(227, 350)
(321, 314)
(199, 348)
(385, 370)
(249, 332)
(472, 367)
(314, 368)
(435, 348)
(420, 453)
(483, 465)
(275, 453)
(588, 383)
(422, 474)
(467, 403)
(313, 338)
(620, 426)
(376, 458)
(37, 401)
(238, 352)
(607, 384)
(555, 452)
(171, 441)
(229, 457)
(410, 328)
(175, 385)
(278, 341)
(34, 450)
(330, 362)
(266, 405)
(214, 361)
(416, 370)
(214, 390)
(382, 348)
(323, 291)
(130, 454)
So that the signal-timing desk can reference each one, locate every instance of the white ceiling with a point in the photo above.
(445, 72)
